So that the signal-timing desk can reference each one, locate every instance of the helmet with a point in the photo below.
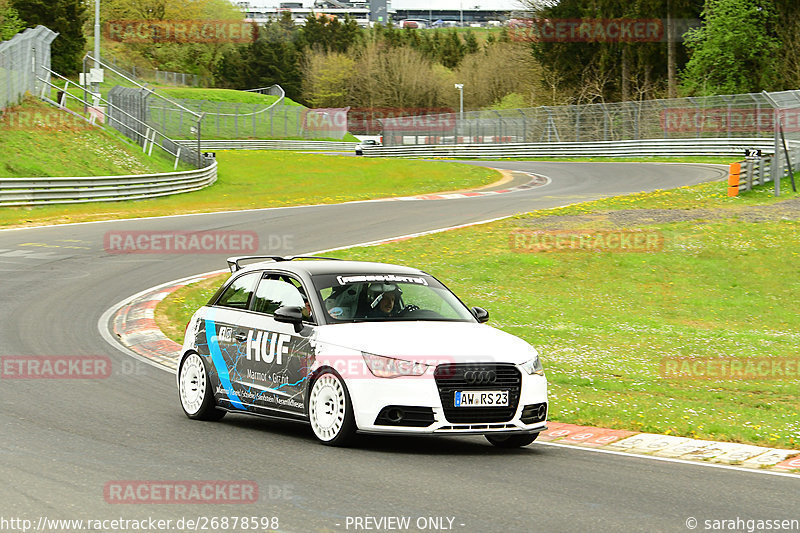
(376, 291)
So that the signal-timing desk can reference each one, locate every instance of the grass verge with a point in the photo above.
(38, 140)
(723, 286)
(254, 179)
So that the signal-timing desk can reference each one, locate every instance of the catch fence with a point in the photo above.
(23, 60)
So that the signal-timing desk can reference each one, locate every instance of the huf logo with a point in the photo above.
(267, 347)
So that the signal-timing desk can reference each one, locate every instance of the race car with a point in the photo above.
(350, 347)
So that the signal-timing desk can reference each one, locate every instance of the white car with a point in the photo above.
(363, 144)
(358, 347)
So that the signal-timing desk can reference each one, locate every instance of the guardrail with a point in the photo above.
(270, 144)
(743, 175)
(633, 148)
(73, 190)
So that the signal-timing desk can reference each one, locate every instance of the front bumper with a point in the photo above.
(422, 398)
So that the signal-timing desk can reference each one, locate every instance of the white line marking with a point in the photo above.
(670, 460)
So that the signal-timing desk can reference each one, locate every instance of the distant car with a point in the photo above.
(350, 347)
(369, 142)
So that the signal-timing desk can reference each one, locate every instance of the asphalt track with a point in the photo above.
(63, 441)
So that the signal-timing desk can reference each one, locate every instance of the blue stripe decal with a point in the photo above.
(219, 363)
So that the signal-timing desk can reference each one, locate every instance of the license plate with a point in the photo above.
(482, 398)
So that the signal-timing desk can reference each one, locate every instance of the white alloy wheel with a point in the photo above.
(329, 410)
(193, 388)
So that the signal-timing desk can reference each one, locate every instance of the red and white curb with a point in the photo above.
(135, 327)
(672, 447)
(535, 181)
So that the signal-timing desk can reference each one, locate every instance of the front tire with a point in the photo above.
(194, 390)
(330, 411)
(512, 441)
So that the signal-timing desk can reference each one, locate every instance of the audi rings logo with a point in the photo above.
(480, 377)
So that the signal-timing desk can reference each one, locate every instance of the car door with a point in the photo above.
(219, 336)
(273, 360)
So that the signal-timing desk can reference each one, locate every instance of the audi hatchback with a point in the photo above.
(353, 347)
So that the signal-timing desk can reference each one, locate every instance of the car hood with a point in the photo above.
(459, 341)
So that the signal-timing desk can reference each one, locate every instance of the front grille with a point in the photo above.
(451, 378)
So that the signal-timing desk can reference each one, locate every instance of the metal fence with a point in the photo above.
(23, 60)
(272, 144)
(235, 120)
(163, 77)
(772, 116)
(706, 147)
(127, 108)
(741, 115)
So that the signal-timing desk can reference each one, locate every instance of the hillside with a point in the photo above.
(37, 139)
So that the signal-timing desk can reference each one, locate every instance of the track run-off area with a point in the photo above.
(68, 443)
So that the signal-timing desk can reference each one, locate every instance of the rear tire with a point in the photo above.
(194, 390)
(512, 441)
(330, 411)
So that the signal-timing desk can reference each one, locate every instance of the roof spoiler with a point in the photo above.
(234, 266)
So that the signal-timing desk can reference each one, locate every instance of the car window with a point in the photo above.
(238, 293)
(381, 297)
(277, 291)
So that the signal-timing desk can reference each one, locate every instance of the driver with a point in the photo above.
(382, 299)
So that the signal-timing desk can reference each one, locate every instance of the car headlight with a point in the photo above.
(533, 366)
(389, 367)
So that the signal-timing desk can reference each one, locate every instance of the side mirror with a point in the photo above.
(290, 315)
(480, 314)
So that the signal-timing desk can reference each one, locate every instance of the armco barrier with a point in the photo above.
(637, 148)
(270, 144)
(743, 175)
(71, 190)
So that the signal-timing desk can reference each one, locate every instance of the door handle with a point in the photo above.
(241, 337)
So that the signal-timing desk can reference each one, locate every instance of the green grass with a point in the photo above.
(254, 179)
(38, 140)
(222, 95)
(722, 287)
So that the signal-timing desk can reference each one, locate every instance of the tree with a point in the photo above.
(452, 51)
(470, 42)
(193, 57)
(66, 17)
(788, 33)
(602, 70)
(734, 51)
(329, 34)
(10, 23)
(327, 79)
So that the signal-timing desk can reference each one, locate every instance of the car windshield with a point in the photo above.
(388, 297)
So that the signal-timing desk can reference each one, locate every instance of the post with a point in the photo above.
(199, 153)
(97, 33)
(460, 87)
